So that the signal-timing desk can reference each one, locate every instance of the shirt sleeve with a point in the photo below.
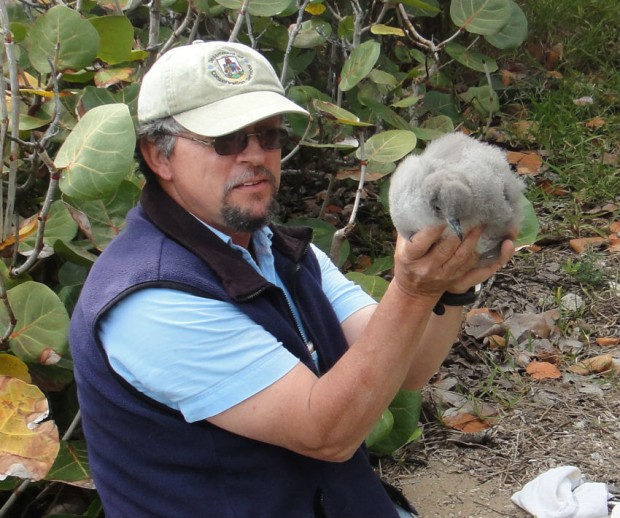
(199, 356)
(345, 296)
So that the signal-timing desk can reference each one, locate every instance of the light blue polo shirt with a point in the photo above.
(202, 356)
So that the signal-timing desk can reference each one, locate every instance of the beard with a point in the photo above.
(242, 220)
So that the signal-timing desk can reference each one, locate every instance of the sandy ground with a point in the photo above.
(440, 491)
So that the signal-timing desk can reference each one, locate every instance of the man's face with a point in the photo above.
(234, 193)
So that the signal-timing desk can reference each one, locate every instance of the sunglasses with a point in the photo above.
(233, 143)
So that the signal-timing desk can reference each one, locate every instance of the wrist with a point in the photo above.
(456, 299)
(419, 299)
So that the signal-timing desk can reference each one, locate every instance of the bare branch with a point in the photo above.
(178, 31)
(291, 38)
(240, 17)
(5, 215)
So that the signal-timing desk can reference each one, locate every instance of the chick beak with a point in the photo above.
(455, 224)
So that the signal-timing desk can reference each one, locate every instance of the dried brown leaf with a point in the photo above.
(467, 423)
(543, 370)
(483, 322)
(607, 341)
(581, 244)
(532, 325)
(527, 163)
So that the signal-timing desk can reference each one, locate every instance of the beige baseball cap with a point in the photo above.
(213, 88)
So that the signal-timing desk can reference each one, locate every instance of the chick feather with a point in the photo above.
(463, 183)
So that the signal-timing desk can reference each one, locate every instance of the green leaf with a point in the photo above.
(42, 323)
(483, 99)
(75, 252)
(513, 33)
(380, 265)
(258, 7)
(340, 115)
(386, 30)
(304, 95)
(423, 8)
(359, 64)
(346, 27)
(313, 32)
(405, 408)
(474, 60)
(115, 37)
(59, 226)
(407, 102)
(63, 28)
(439, 103)
(529, 224)
(71, 465)
(323, 235)
(440, 124)
(389, 116)
(106, 217)
(374, 285)
(28, 122)
(98, 153)
(381, 429)
(383, 78)
(389, 146)
(480, 16)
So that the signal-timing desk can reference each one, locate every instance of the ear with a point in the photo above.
(156, 160)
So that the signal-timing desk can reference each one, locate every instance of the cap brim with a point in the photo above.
(231, 114)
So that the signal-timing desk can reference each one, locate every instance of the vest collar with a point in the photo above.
(240, 280)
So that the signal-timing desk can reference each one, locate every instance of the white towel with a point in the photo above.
(562, 493)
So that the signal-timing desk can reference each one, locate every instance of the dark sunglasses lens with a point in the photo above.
(230, 144)
(233, 143)
(272, 138)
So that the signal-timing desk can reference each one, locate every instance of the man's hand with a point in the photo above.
(430, 264)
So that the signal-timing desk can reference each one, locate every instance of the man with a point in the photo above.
(224, 366)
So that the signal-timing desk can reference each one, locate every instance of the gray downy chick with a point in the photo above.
(463, 183)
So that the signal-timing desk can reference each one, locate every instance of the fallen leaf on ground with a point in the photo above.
(466, 423)
(596, 122)
(496, 341)
(548, 187)
(580, 245)
(595, 365)
(615, 227)
(607, 341)
(527, 163)
(481, 322)
(543, 370)
(532, 325)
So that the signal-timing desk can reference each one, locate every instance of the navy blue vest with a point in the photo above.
(146, 460)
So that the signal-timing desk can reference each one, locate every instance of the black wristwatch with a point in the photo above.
(456, 299)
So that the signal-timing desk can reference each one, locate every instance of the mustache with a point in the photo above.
(251, 174)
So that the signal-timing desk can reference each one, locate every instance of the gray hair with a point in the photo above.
(160, 132)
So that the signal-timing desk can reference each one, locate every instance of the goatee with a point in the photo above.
(242, 221)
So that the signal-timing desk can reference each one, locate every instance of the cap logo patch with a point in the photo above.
(230, 68)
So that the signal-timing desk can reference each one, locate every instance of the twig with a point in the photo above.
(341, 234)
(291, 38)
(179, 30)
(5, 215)
(51, 189)
(154, 21)
(239, 21)
(488, 75)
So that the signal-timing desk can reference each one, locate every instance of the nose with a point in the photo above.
(253, 153)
